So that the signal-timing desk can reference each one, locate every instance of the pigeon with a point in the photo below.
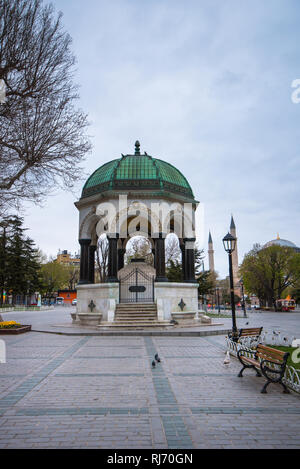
(153, 364)
(227, 359)
(157, 357)
(247, 323)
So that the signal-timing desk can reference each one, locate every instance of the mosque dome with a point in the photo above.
(138, 172)
(280, 242)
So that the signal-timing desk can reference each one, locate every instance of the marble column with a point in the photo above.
(160, 264)
(92, 250)
(154, 258)
(121, 254)
(189, 257)
(84, 261)
(112, 258)
(182, 247)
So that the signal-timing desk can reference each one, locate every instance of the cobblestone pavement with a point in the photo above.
(101, 392)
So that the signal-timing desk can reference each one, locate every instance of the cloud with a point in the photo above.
(204, 85)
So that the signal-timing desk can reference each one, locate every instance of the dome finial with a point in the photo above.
(137, 148)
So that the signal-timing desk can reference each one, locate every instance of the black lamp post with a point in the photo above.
(204, 296)
(243, 297)
(218, 298)
(229, 243)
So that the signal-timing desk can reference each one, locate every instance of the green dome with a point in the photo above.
(137, 172)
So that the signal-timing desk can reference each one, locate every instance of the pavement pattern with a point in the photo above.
(61, 391)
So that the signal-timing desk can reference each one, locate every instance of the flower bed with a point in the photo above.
(13, 327)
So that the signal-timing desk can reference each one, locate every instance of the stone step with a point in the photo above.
(139, 325)
(138, 306)
(135, 320)
(137, 303)
(137, 313)
(136, 309)
(144, 305)
(135, 317)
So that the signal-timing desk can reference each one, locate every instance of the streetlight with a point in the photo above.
(204, 296)
(28, 283)
(243, 297)
(218, 298)
(229, 243)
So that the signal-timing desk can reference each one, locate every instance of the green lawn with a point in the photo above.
(290, 350)
(222, 315)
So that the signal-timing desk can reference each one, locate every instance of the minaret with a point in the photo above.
(235, 261)
(211, 260)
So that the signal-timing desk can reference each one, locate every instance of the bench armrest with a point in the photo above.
(265, 369)
(242, 353)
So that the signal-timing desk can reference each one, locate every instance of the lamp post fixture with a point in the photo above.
(243, 297)
(229, 243)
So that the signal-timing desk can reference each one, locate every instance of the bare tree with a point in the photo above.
(140, 247)
(172, 249)
(102, 257)
(73, 276)
(42, 134)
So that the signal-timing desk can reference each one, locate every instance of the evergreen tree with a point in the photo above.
(206, 283)
(174, 271)
(19, 265)
(199, 256)
(5, 234)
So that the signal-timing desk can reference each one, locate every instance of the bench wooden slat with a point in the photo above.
(250, 331)
(270, 359)
(250, 334)
(264, 350)
(252, 361)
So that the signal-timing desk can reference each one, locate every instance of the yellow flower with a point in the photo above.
(7, 324)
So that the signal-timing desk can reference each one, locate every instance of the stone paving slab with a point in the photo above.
(102, 392)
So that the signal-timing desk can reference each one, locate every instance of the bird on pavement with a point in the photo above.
(157, 357)
(153, 364)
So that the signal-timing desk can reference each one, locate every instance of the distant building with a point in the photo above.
(254, 301)
(67, 295)
(281, 242)
(66, 258)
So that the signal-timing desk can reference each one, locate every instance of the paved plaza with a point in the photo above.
(59, 391)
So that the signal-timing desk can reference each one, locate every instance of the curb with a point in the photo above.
(141, 333)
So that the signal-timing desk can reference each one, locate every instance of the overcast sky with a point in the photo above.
(204, 85)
